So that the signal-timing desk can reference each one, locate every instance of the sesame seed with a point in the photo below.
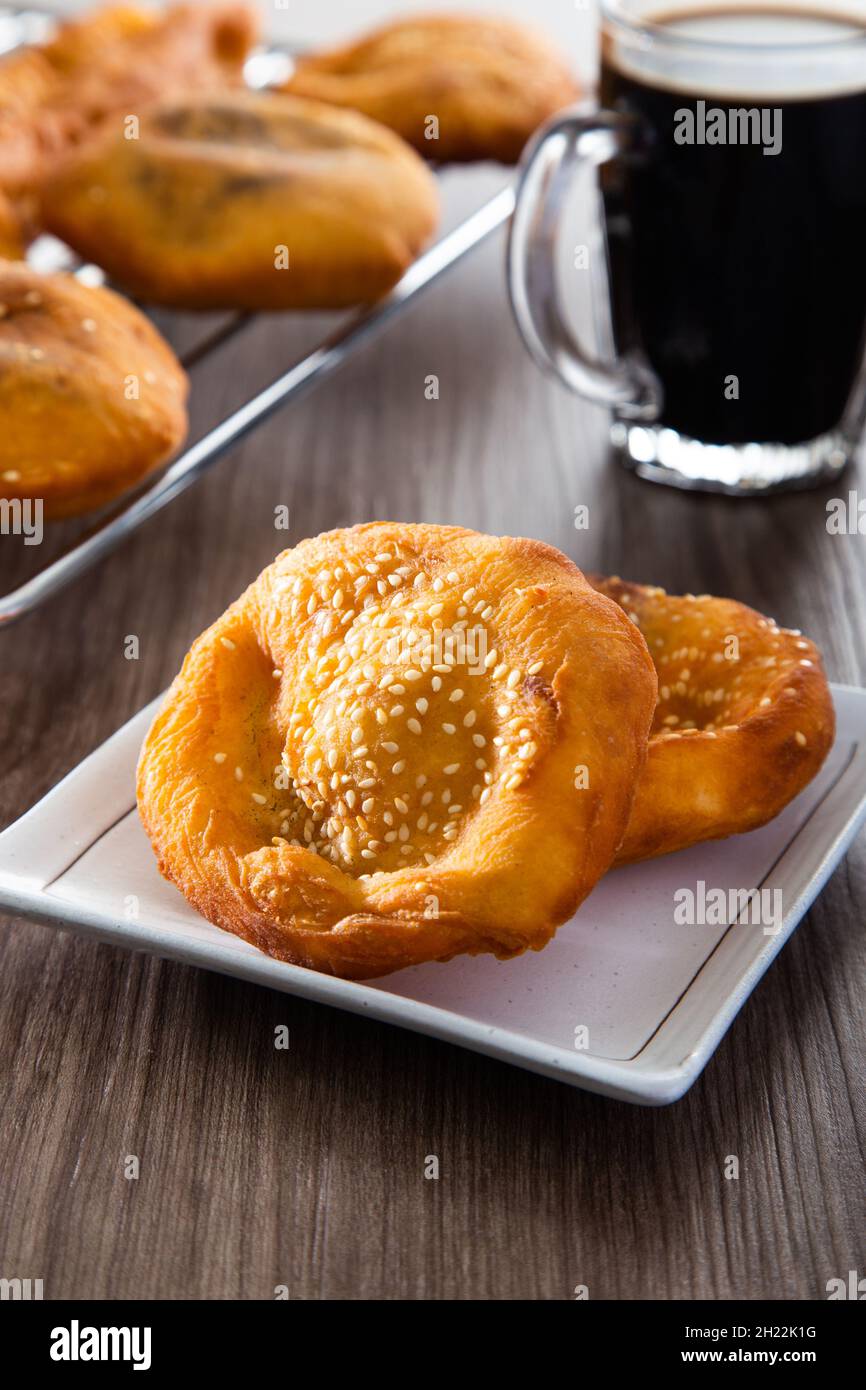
(455, 696)
(239, 774)
(534, 669)
(357, 735)
(259, 799)
(801, 738)
(413, 726)
(421, 706)
(396, 711)
(391, 747)
(219, 757)
(449, 728)
(228, 643)
(451, 768)
(399, 767)
(401, 805)
(479, 740)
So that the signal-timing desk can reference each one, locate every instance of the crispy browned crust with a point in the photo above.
(248, 200)
(94, 396)
(741, 726)
(110, 62)
(11, 236)
(321, 871)
(489, 82)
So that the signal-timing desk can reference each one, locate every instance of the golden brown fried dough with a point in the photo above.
(92, 396)
(488, 82)
(11, 241)
(111, 62)
(744, 720)
(248, 201)
(370, 760)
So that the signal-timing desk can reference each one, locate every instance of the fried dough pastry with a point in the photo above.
(401, 743)
(248, 201)
(489, 82)
(111, 62)
(11, 242)
(93, 397)
(744, 719)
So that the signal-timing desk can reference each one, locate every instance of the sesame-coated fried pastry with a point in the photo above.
(402, 743)
(248, 201)
(93, 397)
(744, 719)
(485, 82)
(111, 62)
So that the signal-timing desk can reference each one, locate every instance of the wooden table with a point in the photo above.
(306, 1168)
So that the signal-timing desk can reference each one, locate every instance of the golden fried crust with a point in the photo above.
(11, 240)
(744, 720)
(490, 83)
(370, 759)
(111, 62)
(248, 201)
(97, 398)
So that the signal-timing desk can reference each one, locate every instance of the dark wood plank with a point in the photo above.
(306, 1167)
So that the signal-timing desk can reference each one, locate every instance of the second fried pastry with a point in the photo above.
(248, 201)
(92, 396)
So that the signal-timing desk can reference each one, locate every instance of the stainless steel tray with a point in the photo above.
(358, 329)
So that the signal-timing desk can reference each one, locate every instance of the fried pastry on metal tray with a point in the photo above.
(93, 397)
(112, 61)
(488, 82)
(247, 201)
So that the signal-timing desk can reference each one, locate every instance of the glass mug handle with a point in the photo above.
(627, 385)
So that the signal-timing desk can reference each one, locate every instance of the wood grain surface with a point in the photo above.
(305, 1168)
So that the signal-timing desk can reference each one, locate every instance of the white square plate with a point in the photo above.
(624, 1001)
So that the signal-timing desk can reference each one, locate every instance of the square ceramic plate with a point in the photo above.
(624, 1001)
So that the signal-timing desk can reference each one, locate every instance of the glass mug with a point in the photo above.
(730, 276)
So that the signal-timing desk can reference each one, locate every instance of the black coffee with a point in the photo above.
(741, 274)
